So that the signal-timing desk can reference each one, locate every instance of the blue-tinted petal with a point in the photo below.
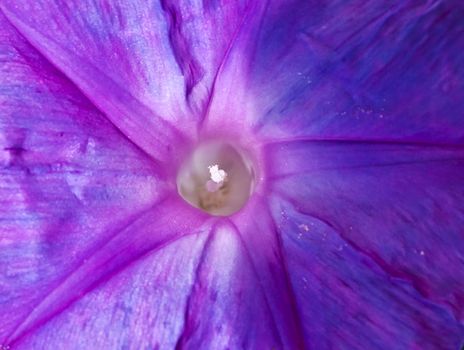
(361, 70)
(399, 205)
(227, 307)
(201, 34)
(142, 307)
(232, 108)
(348, 301)
(79, 41)
(151, 230)
(69, 181)
(263, 246)
(148, 65)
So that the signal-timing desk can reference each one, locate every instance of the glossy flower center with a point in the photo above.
(217, 178)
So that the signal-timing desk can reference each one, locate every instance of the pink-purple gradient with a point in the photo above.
(354, 111)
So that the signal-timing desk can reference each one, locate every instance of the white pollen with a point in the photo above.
(216, 174)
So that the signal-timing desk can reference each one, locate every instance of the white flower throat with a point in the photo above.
(217, 178)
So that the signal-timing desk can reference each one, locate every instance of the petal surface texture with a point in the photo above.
(79, 201)
(374, 242)
(353, 113)
(361, 70)
(148, 65)
(64, 170)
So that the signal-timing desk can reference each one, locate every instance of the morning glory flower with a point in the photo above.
(231, 174)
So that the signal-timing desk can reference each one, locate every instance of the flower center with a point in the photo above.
(217, 178)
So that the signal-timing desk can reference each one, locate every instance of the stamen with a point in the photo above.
(217, 178)
(217, 175)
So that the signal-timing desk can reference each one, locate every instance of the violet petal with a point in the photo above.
(386, 215)
(70, 182)
(142, 307)
(227, 308)
(361, 70)
(400, 206)
(142, 63)
(131, 77)
(349, 301)
(263, 246)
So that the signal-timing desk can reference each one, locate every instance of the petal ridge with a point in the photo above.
(191, 69)
(133, 243)
(121, 109)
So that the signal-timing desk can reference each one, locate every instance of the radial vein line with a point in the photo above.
(185, 330)
(220, 67)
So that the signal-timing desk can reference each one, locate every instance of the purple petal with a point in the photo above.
(86, 52)
(152, 230)
(263, 246)
(227, 308)
(201, 35)
(148, 65)
(82, 210)
(349, 301)
(125, 41)
(361, 70)
(193, 295)
(70, 183)
(399, 206)
(140, 308)
(232, 107)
